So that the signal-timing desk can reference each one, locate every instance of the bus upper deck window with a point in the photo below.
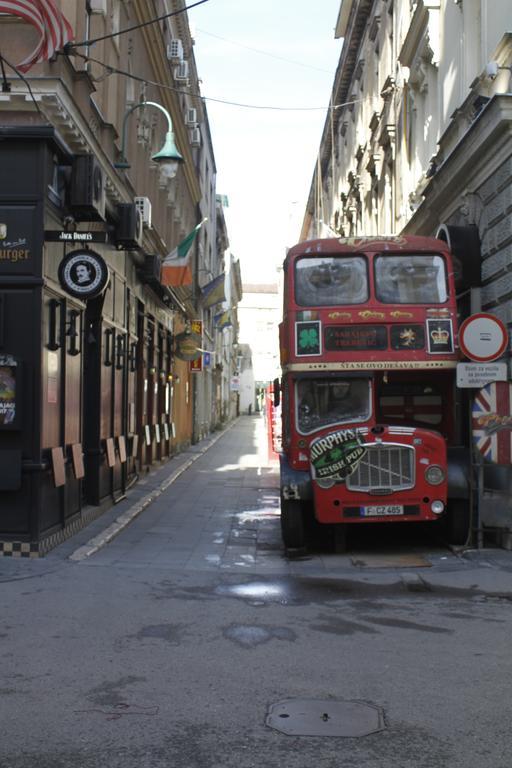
(331, 280)
(411, 279)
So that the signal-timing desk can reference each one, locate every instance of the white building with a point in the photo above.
(259, 315)
(419, 141)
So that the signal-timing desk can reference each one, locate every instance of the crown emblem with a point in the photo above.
(440, 335)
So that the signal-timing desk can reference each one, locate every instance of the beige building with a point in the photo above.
(96, 349)
(418, 140)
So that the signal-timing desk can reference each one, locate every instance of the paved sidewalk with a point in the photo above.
(148, 488)
(215, 507)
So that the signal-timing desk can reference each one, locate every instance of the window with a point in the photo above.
(410, 279)
(323, 402)
(331, 280)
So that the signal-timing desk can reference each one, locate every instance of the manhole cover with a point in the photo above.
(317, 717)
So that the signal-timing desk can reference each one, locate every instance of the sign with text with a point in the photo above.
(18, 244)
(61, 236)
(358, 337)
(196, 366)
(477, 375)
(335, 456)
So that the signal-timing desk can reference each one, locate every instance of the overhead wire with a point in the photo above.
(87, 43)
(263, 53)
(117, 71)
(69, 50)
(16, 70)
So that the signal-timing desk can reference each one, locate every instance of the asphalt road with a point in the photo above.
(164, 633)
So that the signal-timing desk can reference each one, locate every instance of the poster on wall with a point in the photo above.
(10, 386)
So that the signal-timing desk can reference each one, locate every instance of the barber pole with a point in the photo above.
(492, 422)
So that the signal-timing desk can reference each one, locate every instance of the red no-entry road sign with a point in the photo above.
(492, 422)
(483, 337)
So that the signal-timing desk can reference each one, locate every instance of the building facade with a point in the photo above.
(418, 140)
(95, 352)
(260, 313)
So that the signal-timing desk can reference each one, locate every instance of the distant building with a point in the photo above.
(247, 384)
(259, 315)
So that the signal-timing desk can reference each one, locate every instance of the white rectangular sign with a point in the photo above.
(479, 374)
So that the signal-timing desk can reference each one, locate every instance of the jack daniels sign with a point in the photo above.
(63, 236)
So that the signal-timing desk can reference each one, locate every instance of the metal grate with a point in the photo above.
(384, 468)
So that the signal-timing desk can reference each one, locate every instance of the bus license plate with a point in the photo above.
(382, 509)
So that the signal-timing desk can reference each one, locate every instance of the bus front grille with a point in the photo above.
(383, 469)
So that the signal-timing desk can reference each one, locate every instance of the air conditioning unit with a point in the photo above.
(129, 229)
(98, 6)
(181, 73)
(150, 272)
(175, 50)
(191, 119)
(144, 206)
(195, 137)
(87, 189)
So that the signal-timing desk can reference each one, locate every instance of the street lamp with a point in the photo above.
(168, 156)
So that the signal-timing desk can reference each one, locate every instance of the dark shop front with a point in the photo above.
(86, 345)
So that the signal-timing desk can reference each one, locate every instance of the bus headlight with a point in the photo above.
(434, 475)
(437, 507)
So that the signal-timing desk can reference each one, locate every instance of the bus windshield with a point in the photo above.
(322, 402)
(331, 280)
(410, 279)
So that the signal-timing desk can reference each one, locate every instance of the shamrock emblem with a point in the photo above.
(308, 338)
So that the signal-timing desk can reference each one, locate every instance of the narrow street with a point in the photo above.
(164, 633)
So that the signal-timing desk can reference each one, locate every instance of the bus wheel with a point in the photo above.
(293, 528)
(458, 523)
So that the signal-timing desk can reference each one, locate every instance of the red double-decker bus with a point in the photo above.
(368, 355)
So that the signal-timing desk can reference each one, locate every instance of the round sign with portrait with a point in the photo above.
(83, 274)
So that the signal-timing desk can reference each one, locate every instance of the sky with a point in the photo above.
(265, 158)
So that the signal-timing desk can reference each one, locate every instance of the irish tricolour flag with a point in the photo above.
(177, 267)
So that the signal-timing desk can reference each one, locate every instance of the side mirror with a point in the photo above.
(277, 392)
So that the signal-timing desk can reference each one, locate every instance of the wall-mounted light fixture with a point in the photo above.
(168, 156)
(492, 68)
(72, 333)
